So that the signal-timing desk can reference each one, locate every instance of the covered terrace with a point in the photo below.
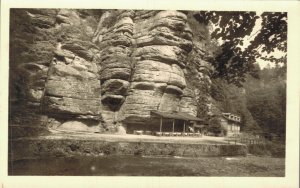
(176, 116)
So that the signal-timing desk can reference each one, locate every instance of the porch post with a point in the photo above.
(160, 124)
(194, 126)
(173, 125)
(184, 126)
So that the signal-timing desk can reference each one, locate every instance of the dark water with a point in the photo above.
(149, 166)
(107, 166)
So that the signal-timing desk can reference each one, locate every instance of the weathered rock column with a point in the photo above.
(72, 89)
(114, 38)
(163, 40)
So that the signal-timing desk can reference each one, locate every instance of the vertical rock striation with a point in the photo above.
(113, 72)
(57, 76)
(73, 87)
(163, 41)
(114, 37)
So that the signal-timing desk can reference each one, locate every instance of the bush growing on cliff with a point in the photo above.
(111, 19)
(83, 31)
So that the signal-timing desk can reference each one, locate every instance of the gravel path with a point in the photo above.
(135, 138)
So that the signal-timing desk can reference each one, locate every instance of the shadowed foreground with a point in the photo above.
(150, 166)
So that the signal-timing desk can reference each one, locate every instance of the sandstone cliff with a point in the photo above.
(104, 70)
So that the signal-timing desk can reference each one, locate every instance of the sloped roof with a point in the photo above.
(176, 115)
(229, 119)
(199, 126)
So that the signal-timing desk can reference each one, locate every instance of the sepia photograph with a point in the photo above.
(147, 92)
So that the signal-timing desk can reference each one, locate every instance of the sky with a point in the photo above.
(262, 63)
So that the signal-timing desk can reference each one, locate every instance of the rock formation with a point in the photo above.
(107, 74)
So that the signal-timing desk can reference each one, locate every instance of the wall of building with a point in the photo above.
(230, 126)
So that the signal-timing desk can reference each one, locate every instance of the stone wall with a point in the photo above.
(26, 148)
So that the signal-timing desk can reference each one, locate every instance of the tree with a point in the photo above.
(235, 58)
(215, 126)
(230, 98)
(266, 100)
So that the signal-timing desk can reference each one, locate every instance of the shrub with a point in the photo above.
(269, 149)
(111, 19)
(276, 149)
(258, 149)
(215, 126)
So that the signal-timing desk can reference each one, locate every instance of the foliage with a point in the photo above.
(200, 31)
(111, 19)
(82, 31)
(215, 126)
(200, 84)
(258, 149)
(229, 98)
(233, 62)
(198, 76)
(266, 100)
(268, 149)
(261, 103)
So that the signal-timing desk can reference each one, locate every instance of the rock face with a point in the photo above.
(113, 72)
(142, 58)
(72, 86)
(56, 68)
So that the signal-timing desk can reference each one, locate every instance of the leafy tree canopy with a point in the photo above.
(240, 48)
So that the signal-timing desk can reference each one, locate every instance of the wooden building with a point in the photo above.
(179, 121)
(167, 122)
(231, 123)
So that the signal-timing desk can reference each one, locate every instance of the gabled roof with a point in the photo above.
(176, 115)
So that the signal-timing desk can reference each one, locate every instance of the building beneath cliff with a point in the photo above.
(231, 123)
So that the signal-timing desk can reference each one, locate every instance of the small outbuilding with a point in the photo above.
(231, 123)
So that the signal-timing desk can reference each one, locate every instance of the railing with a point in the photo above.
(245, 141)
(237, 138)
(188, 134)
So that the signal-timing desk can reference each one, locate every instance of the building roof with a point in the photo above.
(231, 117)
(199, 126)
(226, 113)
(176, 115)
